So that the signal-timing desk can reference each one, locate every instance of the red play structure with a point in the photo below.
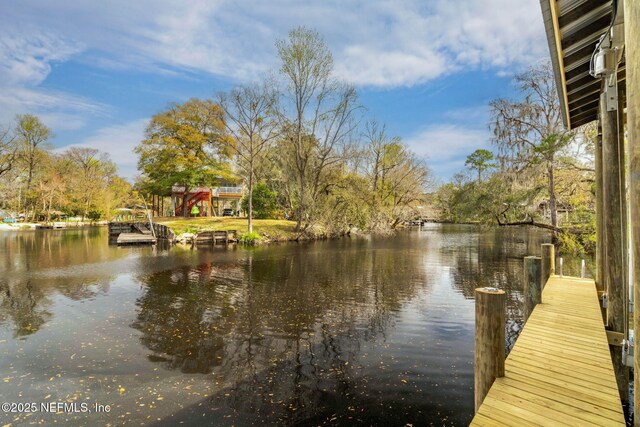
(198, 196)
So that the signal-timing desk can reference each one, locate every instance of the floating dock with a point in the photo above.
(559, 372)
(135, 239)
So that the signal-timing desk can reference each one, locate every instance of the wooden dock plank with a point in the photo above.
(559, 372)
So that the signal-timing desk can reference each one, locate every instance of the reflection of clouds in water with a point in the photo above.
(285, 333)
(496, 259)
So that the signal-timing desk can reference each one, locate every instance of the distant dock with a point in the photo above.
(138, 233)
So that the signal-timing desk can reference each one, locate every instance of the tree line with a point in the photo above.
(299, 139)
(40, 184)
(538, 168)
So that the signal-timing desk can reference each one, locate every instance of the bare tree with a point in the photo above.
(250, 121)
(322, 116)
(529, 132)
(398, 178)
(7, 150)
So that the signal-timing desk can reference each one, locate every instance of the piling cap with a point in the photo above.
(490, 290)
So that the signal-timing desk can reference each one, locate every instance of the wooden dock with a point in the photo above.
(135, 239)
(559, 372)
(213, 237)
(138, 233)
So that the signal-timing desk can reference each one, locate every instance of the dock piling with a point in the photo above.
(548, 262)
(489, 340)
(560, 267)
(532, 284)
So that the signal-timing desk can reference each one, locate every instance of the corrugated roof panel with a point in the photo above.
(576, 25)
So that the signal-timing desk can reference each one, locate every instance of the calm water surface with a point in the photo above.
(372, 331)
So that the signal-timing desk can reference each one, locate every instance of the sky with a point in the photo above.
(96, 71)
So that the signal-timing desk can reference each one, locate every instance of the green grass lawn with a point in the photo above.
(275, 229)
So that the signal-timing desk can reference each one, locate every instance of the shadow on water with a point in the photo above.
(367, 330)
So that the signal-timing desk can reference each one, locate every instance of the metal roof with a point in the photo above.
(573, 28)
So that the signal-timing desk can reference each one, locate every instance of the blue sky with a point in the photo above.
(95, 72)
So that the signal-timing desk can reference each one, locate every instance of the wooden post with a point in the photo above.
(532, 284)
(600, 238)
(601, 247)
(632, 35)
(613, 273)
(548, 262)
(622, 177)
(489, 341)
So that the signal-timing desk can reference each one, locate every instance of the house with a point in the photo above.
(206, 201)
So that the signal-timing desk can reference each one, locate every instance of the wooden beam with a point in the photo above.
(632, 35)
(558, 39)
(623, 196)
(210, 210)
(600, 243)
(601, 247)
(615, 338)
(614, 278)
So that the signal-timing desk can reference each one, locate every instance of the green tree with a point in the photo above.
(93, 172)
(480, 160)
(186, 146)
(119, 194)
(264, 201)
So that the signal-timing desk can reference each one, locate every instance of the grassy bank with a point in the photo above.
(268, 229)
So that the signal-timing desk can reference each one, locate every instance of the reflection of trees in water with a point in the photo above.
(31, 264)
(268, 309)
(41, 249)
(281, 329)
(24, 305)
(496, 259)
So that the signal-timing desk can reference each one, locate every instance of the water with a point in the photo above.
(363, 330)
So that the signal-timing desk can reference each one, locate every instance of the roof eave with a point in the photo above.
(553, 39)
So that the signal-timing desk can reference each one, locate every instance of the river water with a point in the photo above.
(361, 330)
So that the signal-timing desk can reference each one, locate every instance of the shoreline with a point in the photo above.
(56, 225)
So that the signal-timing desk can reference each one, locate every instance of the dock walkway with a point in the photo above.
(559, 372)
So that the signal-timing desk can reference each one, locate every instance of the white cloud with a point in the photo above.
(446, 146)
(376, 43)
(25, 62)
(26, 59)
(475, 114)
(119, 141)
